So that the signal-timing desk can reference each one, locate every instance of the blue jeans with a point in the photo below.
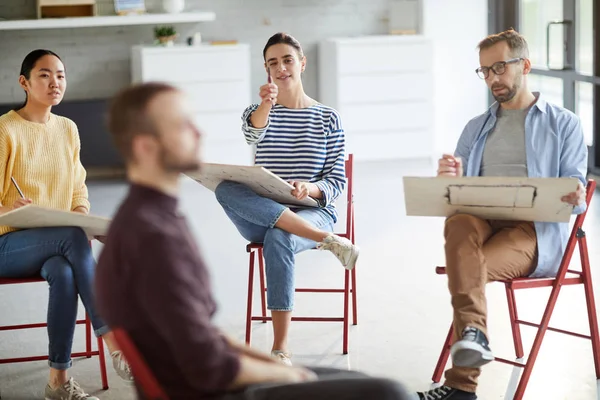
(63, 257)
(255, 218)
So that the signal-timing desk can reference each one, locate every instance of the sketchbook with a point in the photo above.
(508, 198)
(32, 216)
(259, 179)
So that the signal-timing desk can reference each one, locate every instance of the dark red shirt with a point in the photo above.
(152, 282)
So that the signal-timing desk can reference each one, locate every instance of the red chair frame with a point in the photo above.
(582, 277)
(255, 250)
(88, 353)
(143, 375)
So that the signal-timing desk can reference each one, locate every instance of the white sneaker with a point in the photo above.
(282, 357)
(342, 248)
(121, 366)
(69, 391)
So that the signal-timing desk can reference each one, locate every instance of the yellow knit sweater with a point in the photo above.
(44, 160)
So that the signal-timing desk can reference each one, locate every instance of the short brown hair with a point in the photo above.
(127, 116)
(515, 41)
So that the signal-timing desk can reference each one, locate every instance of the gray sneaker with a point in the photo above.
(68, 391)
(121, 366)
(342, 248)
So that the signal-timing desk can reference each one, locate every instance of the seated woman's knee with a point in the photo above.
(278, 237)
(72, 234)
(58, 270)
(225, 189)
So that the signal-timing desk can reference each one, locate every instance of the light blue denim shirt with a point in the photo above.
(555, 147)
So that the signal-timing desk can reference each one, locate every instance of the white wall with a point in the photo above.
(97, 59)
(459, 94)
(98, 63)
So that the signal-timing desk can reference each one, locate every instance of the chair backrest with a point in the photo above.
(143, 376)
(350, 198)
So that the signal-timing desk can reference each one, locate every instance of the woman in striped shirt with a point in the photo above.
(302, 141)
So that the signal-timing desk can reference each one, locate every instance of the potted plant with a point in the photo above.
(165, 35)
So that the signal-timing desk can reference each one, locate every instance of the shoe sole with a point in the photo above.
(352, 262)
(470, 355)
(48, 398)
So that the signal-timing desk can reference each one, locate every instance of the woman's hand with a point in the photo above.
(303, 190)
(81, 210)
(21, 203)
(268, 94)
(300, 190)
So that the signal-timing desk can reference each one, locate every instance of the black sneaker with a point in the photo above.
(446, 393)
(472, 351)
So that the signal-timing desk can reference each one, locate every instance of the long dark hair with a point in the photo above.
(283, 38)
(29, 63)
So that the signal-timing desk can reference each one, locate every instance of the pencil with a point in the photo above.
(17, 186)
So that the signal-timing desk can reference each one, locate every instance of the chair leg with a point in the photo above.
(591, 304)
(444, 355)
(102, 361)
(346, 307)
(249, 304)
(539, 337)
(516, 328)
(354, 304)
(263, 295)
(88, 336)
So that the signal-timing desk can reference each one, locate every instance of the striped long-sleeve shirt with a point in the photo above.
(302, 144)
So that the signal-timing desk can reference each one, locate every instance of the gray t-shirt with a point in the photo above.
(504, 151)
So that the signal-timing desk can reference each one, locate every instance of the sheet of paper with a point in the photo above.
(32, 216)
(520, 199)
(259, 179)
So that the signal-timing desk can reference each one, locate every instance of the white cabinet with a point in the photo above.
(382, 87)
(217, 82)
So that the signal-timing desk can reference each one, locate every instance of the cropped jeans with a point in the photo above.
(63, 257)
(255, 218)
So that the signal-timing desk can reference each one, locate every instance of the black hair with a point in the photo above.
(29, 64)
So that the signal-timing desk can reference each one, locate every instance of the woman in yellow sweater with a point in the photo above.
(40, 151)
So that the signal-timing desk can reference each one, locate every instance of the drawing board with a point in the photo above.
(508, 198)
(259, 179)
(32, 216)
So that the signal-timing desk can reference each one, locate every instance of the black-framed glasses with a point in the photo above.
(498, 68)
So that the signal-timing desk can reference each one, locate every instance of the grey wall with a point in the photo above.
(97, 59)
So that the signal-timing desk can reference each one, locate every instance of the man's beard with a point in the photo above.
(171, 163)
(511, 92)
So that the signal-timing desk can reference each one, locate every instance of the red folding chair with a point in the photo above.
(256, 251)
(88, 353)
(574, 277)
(144, 377)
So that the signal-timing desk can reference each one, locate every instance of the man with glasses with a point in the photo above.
(520, 135)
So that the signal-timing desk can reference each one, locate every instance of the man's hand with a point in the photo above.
(575, 198)
(21, 203)
(243, 348)
(449, 165)
(299, 374)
